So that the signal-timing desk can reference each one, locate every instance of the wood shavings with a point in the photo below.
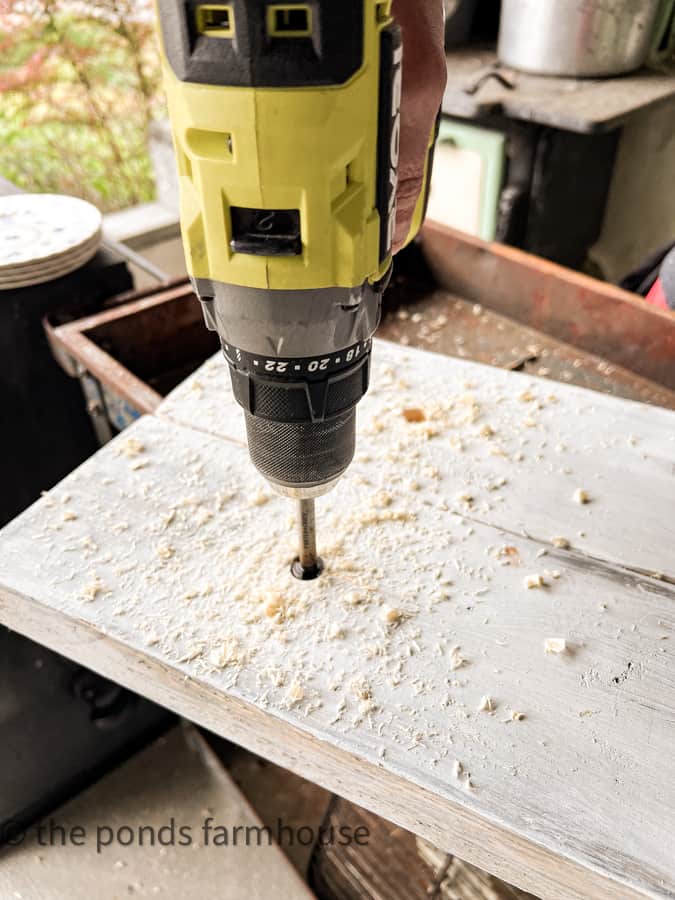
(516, 716)
(168, 518)
(131, 447)
(164, 551)
(69, 516)
(509, 554)
(498, 451)
(202, 516)
(387, 515)
(92, 590)
(361, 689)
(581, 496)
(367, 706)
(391, 615)
(562, 543)
(273, 604)
(89, 546)
(192, 653)
(382, 499)
(223, 498)
(456, 659)
(555, 645)
(459, 774)
(413, 414)
(227, 653)
(295, 693)
(534, 581)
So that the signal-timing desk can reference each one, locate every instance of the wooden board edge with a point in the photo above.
(492, 847)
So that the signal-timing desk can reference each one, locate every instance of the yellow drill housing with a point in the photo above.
(312, 148)
(286, 124)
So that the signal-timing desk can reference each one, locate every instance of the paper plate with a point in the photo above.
(50, 261)
(29, 275)
(39, 232)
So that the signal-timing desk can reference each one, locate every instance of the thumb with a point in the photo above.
(424, 75)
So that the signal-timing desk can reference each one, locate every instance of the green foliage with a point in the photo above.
(79, 85)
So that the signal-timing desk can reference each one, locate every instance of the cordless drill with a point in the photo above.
(285, 119)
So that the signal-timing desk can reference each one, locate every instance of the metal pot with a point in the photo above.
(576, 37)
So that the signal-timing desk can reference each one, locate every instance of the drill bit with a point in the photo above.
(307, 565)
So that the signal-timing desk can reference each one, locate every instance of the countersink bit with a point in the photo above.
(307, 564)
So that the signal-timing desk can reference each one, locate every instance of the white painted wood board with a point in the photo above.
(163, 563)
(549, 439)
(141, 834)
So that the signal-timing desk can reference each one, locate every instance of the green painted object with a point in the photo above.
(490, 146)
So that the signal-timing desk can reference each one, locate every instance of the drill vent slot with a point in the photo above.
(215, 20)
(290, 20)
(382, 11)
(215, 145)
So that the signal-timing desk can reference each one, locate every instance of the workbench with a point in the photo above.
(487, 659)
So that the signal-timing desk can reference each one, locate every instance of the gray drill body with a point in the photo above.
(299, 362)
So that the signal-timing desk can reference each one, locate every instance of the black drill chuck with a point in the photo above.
(302, 455)
(301, 430)
(300, 363)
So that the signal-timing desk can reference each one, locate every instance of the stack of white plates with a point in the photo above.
(45, 236)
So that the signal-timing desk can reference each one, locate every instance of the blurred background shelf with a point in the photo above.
(478, 86)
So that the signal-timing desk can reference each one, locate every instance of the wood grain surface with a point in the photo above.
(413, 677)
